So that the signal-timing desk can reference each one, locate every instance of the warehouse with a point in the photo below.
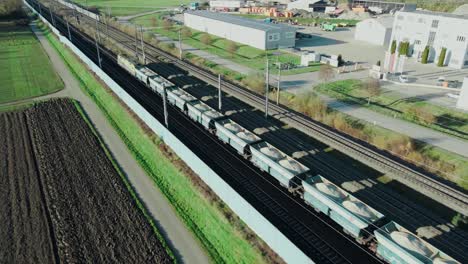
(309, 5)
(254, 33)
(376, 31)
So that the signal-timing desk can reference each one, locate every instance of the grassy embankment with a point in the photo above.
(245, 55)
(446, 164)
(131, 7)
(25, 70)
(410, 109)
(221, 236)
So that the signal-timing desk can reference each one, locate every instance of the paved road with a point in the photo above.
(421, 133)
(186, 247)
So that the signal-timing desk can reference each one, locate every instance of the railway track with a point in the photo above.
(313, 235)
(393, 166)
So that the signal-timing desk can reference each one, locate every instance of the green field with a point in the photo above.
(206, 219)
(131, 7)
(391, 103)
(245, 55)
(25, 70)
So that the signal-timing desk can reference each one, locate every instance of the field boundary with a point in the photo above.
(259, 224)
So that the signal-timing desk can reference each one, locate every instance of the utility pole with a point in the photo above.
(40, 9)
(136, 42)
(52, 15)
(267, 86)
(165, 109)
(69, 34)
(219, 93)
(279, 82)
(180, 45)
(98, 52)
(142, 45)
(97, 31)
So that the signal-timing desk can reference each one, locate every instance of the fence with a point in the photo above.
(257, 222)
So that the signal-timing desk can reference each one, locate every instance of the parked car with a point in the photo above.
(403, 78)
(453, 84)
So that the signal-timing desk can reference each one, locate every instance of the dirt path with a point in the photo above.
(186, 247)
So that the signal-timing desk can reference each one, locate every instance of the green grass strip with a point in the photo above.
(223, 242)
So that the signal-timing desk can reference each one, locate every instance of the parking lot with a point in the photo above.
(341, 42)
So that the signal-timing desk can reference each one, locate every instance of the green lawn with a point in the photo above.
(391, 103)
(131, 7)
(245, 55)
(220, 238)
(25, 70)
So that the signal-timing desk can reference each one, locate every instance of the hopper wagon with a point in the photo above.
(285, 169)
(144, 74)
(238, 137)
(179, 97)
(357, 218)
(159, 84)
(397, 245)
(127, 64)
(209, 117)
(195, 110)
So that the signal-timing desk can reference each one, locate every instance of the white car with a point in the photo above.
(403, 78)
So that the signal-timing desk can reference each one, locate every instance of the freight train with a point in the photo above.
(390, 241)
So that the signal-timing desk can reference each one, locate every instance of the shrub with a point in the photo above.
(393, 47)
(206, 39)
(167, 25)
(186, 32)
(256, 82)
(441, 61)
(232, 47)
(425, 55)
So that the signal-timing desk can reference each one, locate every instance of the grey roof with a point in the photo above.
(385, 21)
(432, 13)
(237, 20)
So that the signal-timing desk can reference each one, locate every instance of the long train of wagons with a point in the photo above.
(390, 241)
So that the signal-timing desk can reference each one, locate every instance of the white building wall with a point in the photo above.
(227, 3)
(302, 4)
(462, 102)
(373, 32)
(451, 33)
(245, 35)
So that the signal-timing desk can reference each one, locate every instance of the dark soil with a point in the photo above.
(62, 199)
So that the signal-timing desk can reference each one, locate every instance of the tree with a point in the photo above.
(372, 87)
(326, 72)
(441, 61)
(154, 22)
(206, 39)
(167, 25)
(232, 47)
(393, 47)
(186, 32)
(425, 55)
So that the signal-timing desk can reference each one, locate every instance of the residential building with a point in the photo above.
(309, 5)
(226, 5)
(376, 31)
(258, 34)
(435, 30)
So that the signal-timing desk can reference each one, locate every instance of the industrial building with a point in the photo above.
(376, 31)
(309, 5)
(226, 5)
(437, 31)
(258, 34)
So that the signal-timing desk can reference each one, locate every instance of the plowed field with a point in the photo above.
(61, 199)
